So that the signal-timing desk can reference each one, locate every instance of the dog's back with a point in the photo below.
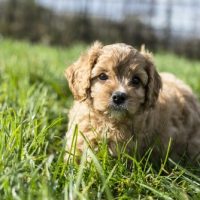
(179, 116)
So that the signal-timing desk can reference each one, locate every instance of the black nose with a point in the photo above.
(119, 97)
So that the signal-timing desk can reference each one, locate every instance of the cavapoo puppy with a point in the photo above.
(119, 95)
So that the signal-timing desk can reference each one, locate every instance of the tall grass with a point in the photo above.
(34, 101)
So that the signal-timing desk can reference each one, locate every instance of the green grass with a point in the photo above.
(34, 101)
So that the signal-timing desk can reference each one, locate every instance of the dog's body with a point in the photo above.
(119, 95)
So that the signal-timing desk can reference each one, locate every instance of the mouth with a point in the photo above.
(118, 108)
(118, 111)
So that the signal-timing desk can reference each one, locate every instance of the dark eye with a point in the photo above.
(103, 76)
(135, 80)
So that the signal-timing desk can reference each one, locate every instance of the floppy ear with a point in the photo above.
(78, 74)
(154, 80)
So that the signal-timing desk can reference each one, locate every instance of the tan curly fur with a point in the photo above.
(158, 108)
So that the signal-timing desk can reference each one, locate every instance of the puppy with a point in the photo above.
(119, 95)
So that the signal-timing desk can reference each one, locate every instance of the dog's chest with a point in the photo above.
(115, 131)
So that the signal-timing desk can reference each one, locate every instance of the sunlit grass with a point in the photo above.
(34, 102)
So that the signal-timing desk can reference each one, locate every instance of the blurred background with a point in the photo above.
(171, 25)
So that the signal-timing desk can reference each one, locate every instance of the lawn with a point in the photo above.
(34, 101)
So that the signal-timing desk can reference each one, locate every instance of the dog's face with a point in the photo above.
(116, 80)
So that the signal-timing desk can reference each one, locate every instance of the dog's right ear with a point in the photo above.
(78, 74)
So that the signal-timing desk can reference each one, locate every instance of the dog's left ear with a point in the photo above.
(154, 80)
(78, 74)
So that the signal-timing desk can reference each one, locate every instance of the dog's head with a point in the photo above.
(115, 79)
